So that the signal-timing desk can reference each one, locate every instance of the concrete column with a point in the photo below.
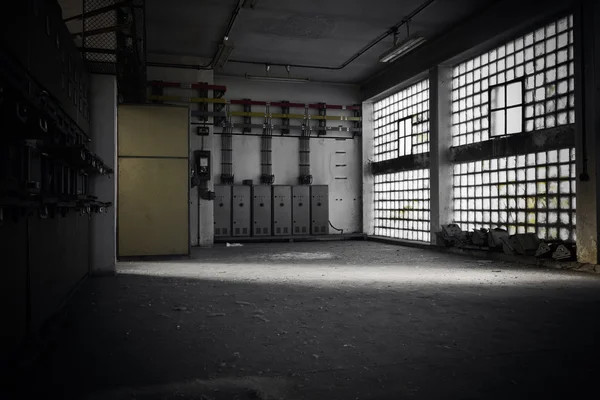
(440, 136)
(368, 154)
(103, 132)
(587, 81)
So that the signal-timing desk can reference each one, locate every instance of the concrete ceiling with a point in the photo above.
(315, 32)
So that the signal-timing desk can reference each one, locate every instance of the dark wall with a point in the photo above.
(50, 256)
(13, 284)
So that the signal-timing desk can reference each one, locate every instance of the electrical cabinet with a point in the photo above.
(15, 29)
(34, 35)
(301, 210)
(241, 210)
(222, 206)
(319, 209)
(261, 210)
(282, 210)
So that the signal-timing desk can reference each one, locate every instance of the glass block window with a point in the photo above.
(401, 123)
(402, 205)
(533, 193)
(539, 66)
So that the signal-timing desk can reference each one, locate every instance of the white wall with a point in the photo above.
(191, 76)
(103, 132)
(345, 195)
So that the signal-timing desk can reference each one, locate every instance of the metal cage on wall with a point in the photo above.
(113, 41)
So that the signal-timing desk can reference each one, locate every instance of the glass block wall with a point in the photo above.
(402, 198)
(401, 123)
(531, 193)
(402, 205)
(523, 86)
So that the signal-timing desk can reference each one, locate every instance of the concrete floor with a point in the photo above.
(333, 320)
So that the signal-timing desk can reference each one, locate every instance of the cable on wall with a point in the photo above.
(266, 142)
(227, 153)
(305, 177)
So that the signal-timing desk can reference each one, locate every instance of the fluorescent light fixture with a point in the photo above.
(223, 54)
(402, 48)
(276, 79)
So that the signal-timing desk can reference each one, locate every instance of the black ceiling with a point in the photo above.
(303, 32)
(314, 32)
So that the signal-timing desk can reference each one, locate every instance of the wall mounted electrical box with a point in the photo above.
(301, 210)
(203, 131)
(202, 165)
(222, 209)
(319, 209)
(241, 210)
(261, 210)
(282, 210)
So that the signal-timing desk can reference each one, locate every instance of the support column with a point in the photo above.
(440, 100)
(368, 155)
(103, 130)
(587, 88)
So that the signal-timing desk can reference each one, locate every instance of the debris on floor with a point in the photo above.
(234, 245)
(499, 240)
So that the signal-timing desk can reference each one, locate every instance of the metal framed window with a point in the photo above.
(506, 109)
(531, 193)
(543, 60)
(402, 204)
(400, 119)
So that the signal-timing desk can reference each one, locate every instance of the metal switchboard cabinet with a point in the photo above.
(222, 206)
(319, 209)
(261, 210)
(241, 210)
(301, 210)
(153, 163)
(282, 210)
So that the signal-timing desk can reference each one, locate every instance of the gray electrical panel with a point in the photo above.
(282, 210)
(242, 201)
(301, 210)
(261, 210)
(319, 209)
(222, 205)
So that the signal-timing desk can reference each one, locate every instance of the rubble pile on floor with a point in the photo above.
(497, 239)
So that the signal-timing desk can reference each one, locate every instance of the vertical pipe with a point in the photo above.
(226, 151)
(304, 151)
(266, 172)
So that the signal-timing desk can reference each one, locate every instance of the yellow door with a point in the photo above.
(153, 181)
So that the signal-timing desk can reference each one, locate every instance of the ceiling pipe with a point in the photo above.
(354, 57)
(236, 12)
(211, 64)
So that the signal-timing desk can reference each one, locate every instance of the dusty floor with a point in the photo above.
(337, 320)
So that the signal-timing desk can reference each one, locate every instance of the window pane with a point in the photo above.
(514, 120)
(498, 123)
(514, 94)
(498, 100)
